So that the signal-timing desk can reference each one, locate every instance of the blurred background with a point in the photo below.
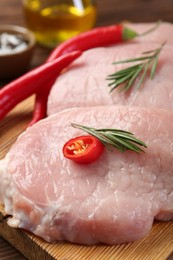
(108, 12)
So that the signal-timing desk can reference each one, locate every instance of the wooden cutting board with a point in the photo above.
(158, 245)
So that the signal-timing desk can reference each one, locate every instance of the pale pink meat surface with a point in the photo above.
(113, 200)
(84, 83)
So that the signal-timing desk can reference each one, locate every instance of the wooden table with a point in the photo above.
(159, 244)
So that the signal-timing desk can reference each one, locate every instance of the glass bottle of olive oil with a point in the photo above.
(54, 21)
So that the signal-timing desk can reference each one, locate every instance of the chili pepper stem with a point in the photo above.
(128, 34)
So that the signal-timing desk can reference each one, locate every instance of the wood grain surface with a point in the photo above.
(158, 245)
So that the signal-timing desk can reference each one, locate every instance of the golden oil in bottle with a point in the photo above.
(54, 21)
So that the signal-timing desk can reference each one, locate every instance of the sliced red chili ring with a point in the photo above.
(83, 149)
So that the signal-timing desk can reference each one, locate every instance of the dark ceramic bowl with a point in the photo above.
(15, 63)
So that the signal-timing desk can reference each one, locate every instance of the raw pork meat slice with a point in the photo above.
(113, 200)
(85, 84)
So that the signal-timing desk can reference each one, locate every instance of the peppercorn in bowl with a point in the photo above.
(16, 50)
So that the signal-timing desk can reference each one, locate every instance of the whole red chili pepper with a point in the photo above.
(83, 149)
(31, 82)
(98, 37)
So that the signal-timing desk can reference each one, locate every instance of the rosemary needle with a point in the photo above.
(158, 23)
(119, 139)
(125, 78)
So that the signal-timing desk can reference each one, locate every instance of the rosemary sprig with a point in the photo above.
(157, 24)
(126, 77)
(119, 139)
